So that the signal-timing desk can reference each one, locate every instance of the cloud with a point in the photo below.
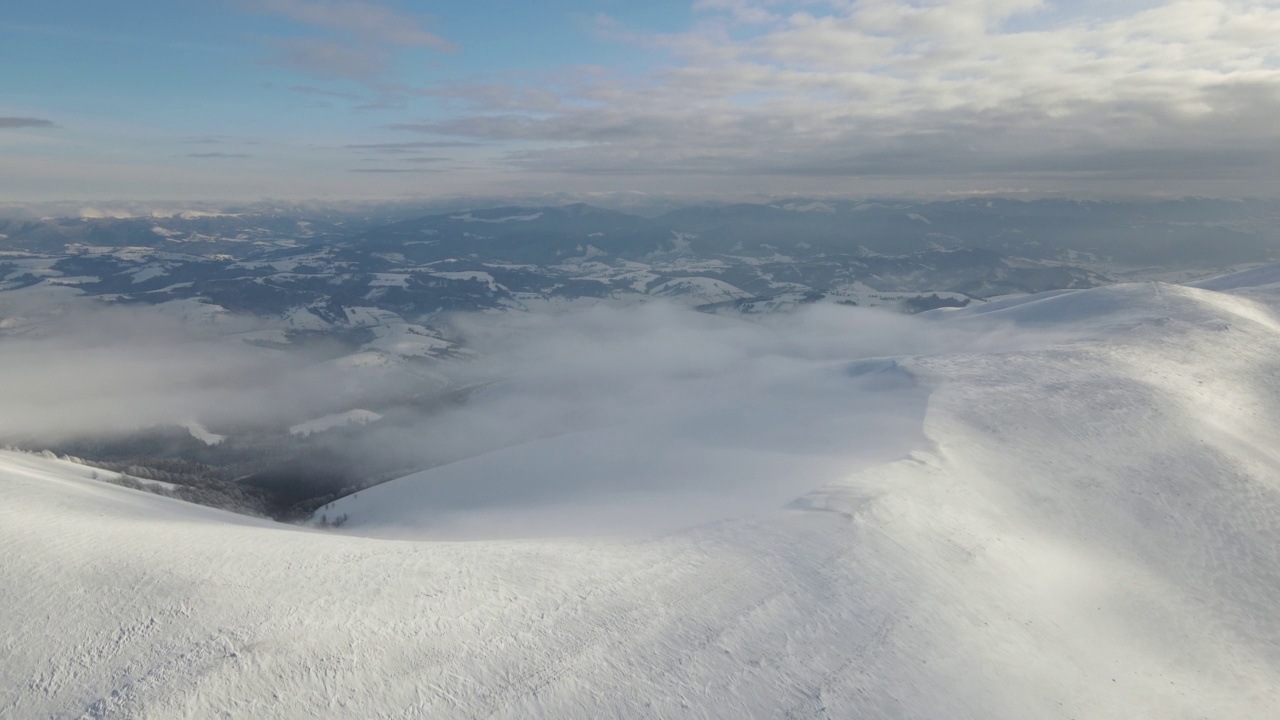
(86, 368)
(26, 122)
(371, 22)
(329, 60)
(216, 140)
(393, 170)
(355, 41)
(401, 148)
(975, 89)
(218, 155)
(650, 418)
(493, 97)
(321, 92)
(598, 126)
(742, 11)
(602, 420)
(204, 140)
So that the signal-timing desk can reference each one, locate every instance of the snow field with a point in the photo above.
(1089, 528)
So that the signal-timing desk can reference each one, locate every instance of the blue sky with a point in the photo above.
(243, 99)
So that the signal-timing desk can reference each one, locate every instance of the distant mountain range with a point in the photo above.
(274, 264)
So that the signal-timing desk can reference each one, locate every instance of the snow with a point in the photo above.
(399, 280)
(200, 433)
(193, 310)
(45, 293)
(1262, 275)
(149, 272)
(1085, 527)
(700, 290)
(408, 340)
(682, 242)
(867, 296)
(665, 473)
(193, 214)
(476, 275)
(334, 420)
(72, 280)
(368, 316)
(302, 318)
(639, 281)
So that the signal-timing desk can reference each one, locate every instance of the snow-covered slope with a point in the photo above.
(1253, 277)
(735, 454)
(334, 420)
(1090, 530)
(700, 290)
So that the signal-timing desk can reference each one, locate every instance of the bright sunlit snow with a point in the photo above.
(1078, 517)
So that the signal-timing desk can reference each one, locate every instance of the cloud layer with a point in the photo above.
(357, 39)
(25, 122)
(370, 21)
(604, 420)
(981, 89)
(733, 100)
(649, 418)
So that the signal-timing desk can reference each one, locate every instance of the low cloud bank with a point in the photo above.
(83, 370)
(607, 420)
(651, 418)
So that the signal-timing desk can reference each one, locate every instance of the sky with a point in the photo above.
(363, 99)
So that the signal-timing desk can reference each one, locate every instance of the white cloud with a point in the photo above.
(357, 41)
(371, 21)
(765, 97)
(1180, 91)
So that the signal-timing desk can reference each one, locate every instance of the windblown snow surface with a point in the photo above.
(1088, 528)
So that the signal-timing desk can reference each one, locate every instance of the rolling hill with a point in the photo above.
(1084, 521)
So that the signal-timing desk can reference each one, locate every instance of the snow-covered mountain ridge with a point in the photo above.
(1089, 528)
